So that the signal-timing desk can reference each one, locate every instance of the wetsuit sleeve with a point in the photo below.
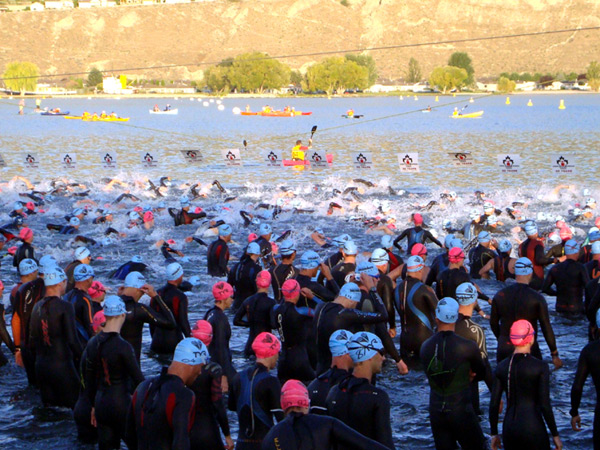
(181, 421)
(86, 240)
(356, 316)
(234, 388)
(70, 330)
(544, 396)
(333, 287)
(346, 437)
(274, 389)
(131, 365)
(223, 258)
(430, 236)
(216, 396)
(399, 238)
(477, 364)
(182, 320)
(495, 398)
(4, 332)
(388, 343)
(89, 370)
(385, 290)
(581, 375)
(540, 257)
(221, 349)
(195, 216)
(238, 319)
(87, 315)
(110, 230)
(494, 317)
(162, 318)
(548, 282)
(547, 330)
(322, 292)
(383, 425)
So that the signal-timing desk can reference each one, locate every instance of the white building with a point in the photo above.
(85, 3)
(113, 85)
(59, 4)
(37, 7)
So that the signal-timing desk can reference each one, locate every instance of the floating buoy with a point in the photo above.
(212, 100)
(204, 103)
(437, 99)
(191, 99)
(529, 103)
(221, 107)
(471, 100)
(89, 98)
(454, 94)
(401, 97)
(219, 102)
(562, 105)
(507, 100)
(236, 110)
(175, 98)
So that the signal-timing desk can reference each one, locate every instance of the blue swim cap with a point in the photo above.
(54, 275)
(265, 229)
(350, 248)
(253, 249)
(594, 236)
(523, 266)
(571, 247)
(368, 268)
(113, 306)
(504, 246)
(414, 264)
(598, 318)
(351, 291)
(466, 294)
(531, 228)
(46, 262)
(137, 259)
(135, 280)
(174, 271)
(380, 256)
(83, 272)
(340, 240)
(77, 212)
(596, 248)
(387, 241)
(456, 243)
(447, 310)
(363, 346)
(225, 230)
(484, 237)
(309, 260)
(17, 206)
(448, 241)
(74, 221)
(27, 266)
(82, 253)
(195, 280)
(191, 351)
(184, 201)
(338, 342)
(287, 248)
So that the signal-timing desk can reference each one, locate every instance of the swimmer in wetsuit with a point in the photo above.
(593, 267)
(284, 270)
(25, 250)
(502, 264)
(347, 264)
(480, 255)
(255, 394)
(451, 363)
(520, 301)
(82, 302)
(218, 253)
(355, 401)
(184, 216)
(243, 274)
(162, 407)
(570, 278)
(303, 431)
(533, 249)
(109, 364)
(526, 381)
(416, 235)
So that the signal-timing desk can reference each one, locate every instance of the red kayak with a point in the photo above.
(291, 162)
(276, 113)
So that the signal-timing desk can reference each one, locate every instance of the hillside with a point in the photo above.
(195, 33)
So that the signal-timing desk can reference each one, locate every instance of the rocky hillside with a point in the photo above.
(206, 32)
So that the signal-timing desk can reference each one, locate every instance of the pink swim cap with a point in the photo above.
(1, 285)
(263, 279)
(148, 216)
(96, 290)
(266, 345)
(560, 224)
(418, 219)
(597, 222)
(290, 289)
(12, 250)
(252, 237)
(521, 333)
(171, 242)
(456, 255)
(25, 233)
(418, 249)
(222, 290)
(198, 210)
(30, 206)
(138, 209)
(294, 393)
(98, 320)
(565, 233)
(203, 331)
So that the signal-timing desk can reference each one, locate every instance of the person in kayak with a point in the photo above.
(299, 149)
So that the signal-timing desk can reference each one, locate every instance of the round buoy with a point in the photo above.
(219, 102)
(212, 100)
(204, 103)
(471, 100)
(221, 107)
(437, 99)
(191, 99)
(237, 110)
(507, 100)
(562, 105)
(529, 103)
(401, 97)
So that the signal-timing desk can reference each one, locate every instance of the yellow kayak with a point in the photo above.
(467, 116)
(99, 119)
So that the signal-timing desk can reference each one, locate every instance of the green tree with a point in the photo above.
(217, 78)
(463, 60)
(257, 71)
(336, 74)
(448, 78)
(414, 71)
(94, 77)
(365, 61)
(505, 85)
(296, 78)
(21, 76)
(593, 75)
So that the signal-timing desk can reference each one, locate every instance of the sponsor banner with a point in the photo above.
(30, 160)
(564, 164)
(149, 159)
(317, 158)
(409, 162)
(362, 160)
(509, 163)
(108, 160)
(68, 160)
(231, 157)
(273, 158)
(461, 159)
(192, 156)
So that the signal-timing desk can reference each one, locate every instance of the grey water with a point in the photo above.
(536, 133)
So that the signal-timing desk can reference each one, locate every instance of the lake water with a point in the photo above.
(536, 133)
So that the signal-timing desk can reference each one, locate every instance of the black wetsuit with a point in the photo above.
(449, 360)
(294, 324)
(468, 329)
(266, 250)
(526, 380)
(570, 278)
(183, 217)
(501, 262)
(593, 269)
(448, 280)
(340, 271)
(385, 289)
(326, 293)
(161, 414)
(592, 304)
(23, 252)
(23, 301)
(84, 313)
(109, 365)
(5, 337)
(243, 278)
(479, 257)
(585, 254)
(53, 340)
(589, 362)
(534, 250)
(210, 409)
(319, 388)
(130, 266)
(219, 346)
(363, 407)
(257, 308)
(82, 413)
(334, 259)
(164, 340)
(217, 258)
(515, 302)
(438, 265)
(279, 275)
(415, 235)
(330, 317)
(416, 303)
(309, 432)
(138, 315)
(69, 270)
(255, 396)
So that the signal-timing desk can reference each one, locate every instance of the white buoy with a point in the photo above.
(219, 102)
(175, 98)
(89, 98)
(191, 99)
(221, 107)
(204, 103)
(212, 100)
(236, 110)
